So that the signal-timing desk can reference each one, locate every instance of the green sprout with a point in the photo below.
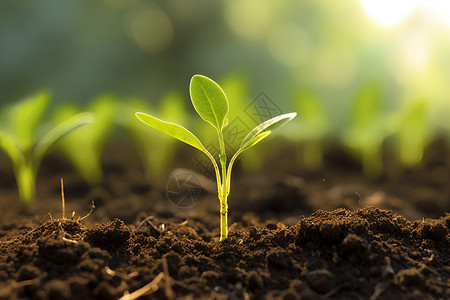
(155, 160)
(19, 141)
(314, 126)
(368, 129)
(84, 147)
(211, 103)
(412, 132)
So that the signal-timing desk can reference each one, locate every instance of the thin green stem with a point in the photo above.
(230, 166)
(223, 192)
(216, 169)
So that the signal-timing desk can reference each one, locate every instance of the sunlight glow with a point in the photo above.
(389, 13)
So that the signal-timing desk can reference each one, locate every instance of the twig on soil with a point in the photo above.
(145, 290)
(89, 213)
(179, 225)
(379, 289)
(146, 220)
(29, 281)
(111, 272)
(63, 200)
(167, 280)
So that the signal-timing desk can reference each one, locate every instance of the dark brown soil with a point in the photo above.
(137, 241)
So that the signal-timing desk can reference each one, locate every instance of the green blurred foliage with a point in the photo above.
(157, 150)
(311, 130)
(21, 139)
(85, 146)
(412, 132)
(367, 129)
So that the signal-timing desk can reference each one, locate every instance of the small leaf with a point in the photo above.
(27, 115)
(58, 132)
(9, 146)
(209, 101)
(265, 129)
(172, 129)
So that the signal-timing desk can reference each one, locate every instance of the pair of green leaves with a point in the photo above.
(211, 103)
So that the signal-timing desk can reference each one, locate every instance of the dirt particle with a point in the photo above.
(59, 251)
(278, 259)
(210, 277)
(252, 232)
(104, 291)
(432, 230)
(27, 272)
(55, 289)
(111, 234)
(354, 246)
(330, 232)
(173, 262)
(254, 281)
(321, 281)
(409, 277)
(289, 294)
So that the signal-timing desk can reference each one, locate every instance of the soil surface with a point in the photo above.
(329, 234)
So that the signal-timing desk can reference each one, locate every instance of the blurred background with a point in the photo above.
(361, 70)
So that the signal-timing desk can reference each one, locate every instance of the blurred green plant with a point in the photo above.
(155, 150)
(367, 129)
(19, 126)
(311, 129)
(211, 104)
(84, 147)
(412, 131)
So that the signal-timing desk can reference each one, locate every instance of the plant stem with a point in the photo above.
(26, 182)
(223, 191)
(223, 217)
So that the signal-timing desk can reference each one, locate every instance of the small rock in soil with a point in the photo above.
(321, 281)
(409, 277)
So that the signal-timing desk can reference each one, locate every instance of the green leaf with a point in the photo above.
(26, 117)
(209, 101)
(58, 132)
(172, 129)
(9, 146)
(265, 129)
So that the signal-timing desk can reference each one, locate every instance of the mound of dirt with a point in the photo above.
(368, 253)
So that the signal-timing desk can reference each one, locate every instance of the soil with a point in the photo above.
(294, 234)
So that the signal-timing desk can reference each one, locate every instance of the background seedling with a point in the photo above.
(155, 159)
(367, 130)
(84, 147)
(211, 103)
(18, 138)
(412, 132)
(311, 129)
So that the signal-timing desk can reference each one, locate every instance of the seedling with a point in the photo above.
(368, 129)
(211, 103)
(412, 132)
(84, 147)
(19, 141)
(156, 160)
(314, 127)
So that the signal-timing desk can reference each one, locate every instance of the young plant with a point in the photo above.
(211, 103)
(412, 132)
(368, 129)
(314, 127)
(84, 147)
(18, 139)
(156, 160)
